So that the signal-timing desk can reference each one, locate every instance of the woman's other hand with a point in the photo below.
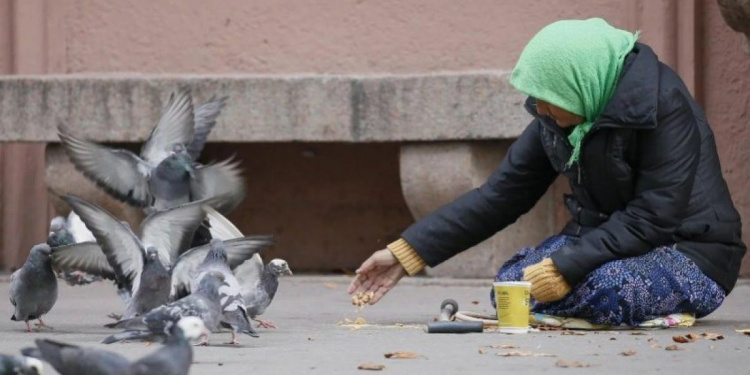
(378, 274)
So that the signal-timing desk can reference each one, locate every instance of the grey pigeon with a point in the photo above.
(234, 314)
(69, 231)
(204, 302)
(259, 293)
(33, 288)
(259, 283)
(174, 358)
(165, 174)
(10, 365)
(138, 265)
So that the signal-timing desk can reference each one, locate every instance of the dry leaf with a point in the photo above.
(612, 338)
(310, 338)
(475, 302)
(712, 336)
(673, 347)
(524, 354)
(628, 353)
(482, 351)
(401, 355)
(656, 346)
(683, 339)
(571, 364)
(503, 346)
(744, 331)
(331, 286)
(572, 333)
(692, 336)
(371, 366)
(638, 333)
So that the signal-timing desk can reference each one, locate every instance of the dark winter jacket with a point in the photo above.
(648, 176)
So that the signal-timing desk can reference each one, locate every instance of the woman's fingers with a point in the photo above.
(355, 284)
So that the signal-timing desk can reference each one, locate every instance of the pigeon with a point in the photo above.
(259, 292)
(138, 265)
(258, 282)
(174, 358)
(165, 174)
(204, 302)
(234, 313)
(10, 365)
(33, 288)
(69, 231)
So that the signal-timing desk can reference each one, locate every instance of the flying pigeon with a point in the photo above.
(165, 174)
(204, 302)
(10, 365)
(33, 288)
(234, 313)
(258, 281)
(69, 231)
(174, 358)
(138, 265)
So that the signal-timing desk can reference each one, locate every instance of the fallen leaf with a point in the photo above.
(612, 338)
(673, 348)
(572, 333)
(571, 364)
(656, 346)
(524, 354)
(692, 336)
(628, 353)
(310, 339)
(331, 286)
(743, 331)
(638, 333)
(371, 366)
(401, 355)
(651, 339)
(712, 336)
(482, 351)
(682, 339)
(503, 346)
(475, 302)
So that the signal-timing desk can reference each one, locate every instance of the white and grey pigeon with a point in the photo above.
(234, 314)
(174, 358)
(67, 231)
(12, 365)
(165, 174)
(258, 282)
(204, 302)
(139, 265)
(33, 287)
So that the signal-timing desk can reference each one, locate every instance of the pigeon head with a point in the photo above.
(217, 252)
(57, 224)
(41, 251)
(191, 328)
(152, 254)
(177, 166)
(33, 366)
(279, 267)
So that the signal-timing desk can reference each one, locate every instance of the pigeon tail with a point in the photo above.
(132, 323)
(126, 335)
(32, 352)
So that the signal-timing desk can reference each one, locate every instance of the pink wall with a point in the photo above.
(372, 36)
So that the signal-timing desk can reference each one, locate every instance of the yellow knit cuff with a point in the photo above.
(407, 256)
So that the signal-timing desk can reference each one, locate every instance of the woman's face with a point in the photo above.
(563, 118)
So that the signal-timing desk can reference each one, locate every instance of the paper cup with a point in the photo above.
(512, 301)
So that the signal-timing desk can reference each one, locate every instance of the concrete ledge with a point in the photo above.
(436, 107)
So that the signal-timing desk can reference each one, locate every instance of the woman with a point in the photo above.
(654, 230)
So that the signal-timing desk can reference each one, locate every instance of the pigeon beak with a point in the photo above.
(288, 272)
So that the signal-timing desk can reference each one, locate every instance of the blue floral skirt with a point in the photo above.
(625, 291)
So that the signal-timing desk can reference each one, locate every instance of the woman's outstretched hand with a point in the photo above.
(378, 274)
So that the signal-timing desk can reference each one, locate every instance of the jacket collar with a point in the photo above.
(634, 102)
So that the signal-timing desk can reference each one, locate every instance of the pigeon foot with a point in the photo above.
(234, 340)
(28, 327)
(41, 325)
(265, 323)
(203, 341)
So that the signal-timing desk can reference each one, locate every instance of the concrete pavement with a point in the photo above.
(308, 339)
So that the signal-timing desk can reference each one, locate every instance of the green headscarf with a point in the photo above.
(574, 65)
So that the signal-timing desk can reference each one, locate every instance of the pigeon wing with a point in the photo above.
(175, 127)
(205, 120)
(122, 248)
(87, 257)
(171, 231)
(119, 172)
(221, 180)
